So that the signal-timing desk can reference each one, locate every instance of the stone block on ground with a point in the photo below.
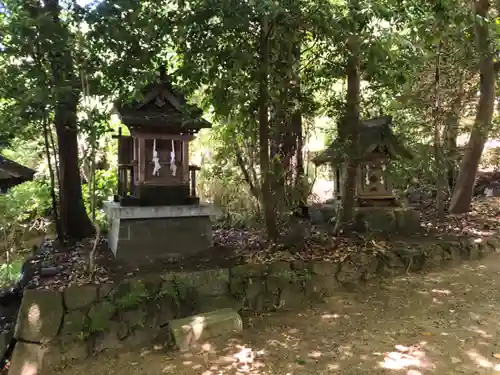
(40, 316)
(33, 359)
(190, 331)
(79, 296)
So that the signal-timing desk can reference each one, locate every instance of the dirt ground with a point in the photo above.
(439, 323)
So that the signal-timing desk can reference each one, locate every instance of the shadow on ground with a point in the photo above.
(440, 323)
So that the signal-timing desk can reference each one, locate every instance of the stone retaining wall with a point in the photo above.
(54, 328)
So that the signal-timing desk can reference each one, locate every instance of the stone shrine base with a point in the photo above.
(145, 234)
(388, 220)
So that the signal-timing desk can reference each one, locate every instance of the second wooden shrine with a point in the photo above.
(377, 146)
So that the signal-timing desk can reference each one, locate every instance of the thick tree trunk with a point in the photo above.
(74, 219)
(464, 189)
(349, 131)
(267, 195)
(296, 124)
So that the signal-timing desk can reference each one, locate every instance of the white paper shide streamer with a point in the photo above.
(156, 160)
(173, 167)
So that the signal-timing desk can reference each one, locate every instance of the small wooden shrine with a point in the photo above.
(156, 214)
(378, 145)
(153, 162)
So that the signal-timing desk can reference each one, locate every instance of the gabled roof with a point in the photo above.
(161, 106)
(372, 133)
(9, 169)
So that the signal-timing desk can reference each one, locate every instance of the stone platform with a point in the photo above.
(145, 234)
(388, 220)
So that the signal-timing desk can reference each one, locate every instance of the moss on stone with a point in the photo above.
(100, 316)
(131, 294)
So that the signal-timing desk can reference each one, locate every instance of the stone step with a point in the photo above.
(193, 330)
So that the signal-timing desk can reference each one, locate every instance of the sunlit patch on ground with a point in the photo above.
(412, 358)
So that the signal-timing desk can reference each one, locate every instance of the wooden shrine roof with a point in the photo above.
(373, 133)
(10, 170)
(161, 107)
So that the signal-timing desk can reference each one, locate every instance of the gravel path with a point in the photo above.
(440, 323)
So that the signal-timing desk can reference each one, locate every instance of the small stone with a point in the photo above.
(40, 316)
(190, 331)
(79, 296)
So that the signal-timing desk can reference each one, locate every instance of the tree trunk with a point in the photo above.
(74, 219)
(267, 196)
(452, 124)
(464, 189)
(349, 131)
(296, 124)
(438, 149)
(52, 178)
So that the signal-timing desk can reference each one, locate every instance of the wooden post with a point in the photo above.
(193, 183)
(185, 161)
(142, 160)
(192, 172)
(118, 188)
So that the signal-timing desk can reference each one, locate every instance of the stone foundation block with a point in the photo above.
(40, 316)
(145, 234)
(191, 331)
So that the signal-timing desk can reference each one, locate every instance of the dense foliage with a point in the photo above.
(267, 74)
